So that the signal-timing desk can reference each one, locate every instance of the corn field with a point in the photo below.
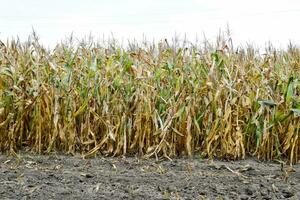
(161, 99)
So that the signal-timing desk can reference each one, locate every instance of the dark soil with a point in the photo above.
(66, 177)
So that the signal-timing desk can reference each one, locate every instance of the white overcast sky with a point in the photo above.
(254, 21)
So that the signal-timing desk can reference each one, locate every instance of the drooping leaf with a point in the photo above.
(267, 103)
(296, 111)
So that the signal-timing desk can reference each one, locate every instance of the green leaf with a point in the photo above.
(81, 110)
(296, 105)
(94, 64)
(289, 90)
(170, 66)
(267, 103)
(259, 131)
(179, 112)
(296, 112)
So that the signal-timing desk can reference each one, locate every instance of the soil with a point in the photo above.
(70, 177)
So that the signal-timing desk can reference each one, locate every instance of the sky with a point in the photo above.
(250, 21)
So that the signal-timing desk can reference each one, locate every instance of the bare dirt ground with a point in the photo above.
(67, 177)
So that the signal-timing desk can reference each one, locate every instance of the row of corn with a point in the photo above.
(153, 99)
